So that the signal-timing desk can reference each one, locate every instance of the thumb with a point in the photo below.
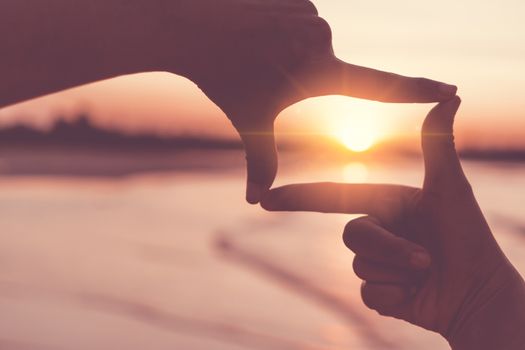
(442, 165)
(261, 159)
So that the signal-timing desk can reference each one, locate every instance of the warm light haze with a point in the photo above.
(358, 125)
(133, 217)
(475, 45)
(356, 139)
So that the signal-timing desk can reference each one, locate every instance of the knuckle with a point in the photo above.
(310, 7)
(373, 301)
(368, 296)
(382, 312)
(324, 29)
(358, 267)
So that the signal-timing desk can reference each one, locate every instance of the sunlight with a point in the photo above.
(355, 125)
(355, 172)
(357, 138)
(358, 125)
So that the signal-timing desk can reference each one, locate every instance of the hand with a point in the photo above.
(427, 255)
(254, 58)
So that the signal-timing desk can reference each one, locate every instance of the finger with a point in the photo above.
(261, 161)
(387, 299)
(301, 7)
(369, 240)
(334, 77)
(381, 273)
(309, 38)
(443, 171)
(382, 201)
(307, 7)
(315, 34)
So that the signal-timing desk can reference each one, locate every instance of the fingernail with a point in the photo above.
(448, 90)
(253, 193)
(420, 260)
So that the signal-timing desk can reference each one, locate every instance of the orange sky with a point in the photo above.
(480, 46)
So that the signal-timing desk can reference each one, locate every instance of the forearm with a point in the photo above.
(497, 324)
(51, 45)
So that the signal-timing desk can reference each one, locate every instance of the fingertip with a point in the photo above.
(441, 117)
(447, 91)
(382, 297)
(451, 105)
(454, 102)
(267, 202)
(261, 160)
(254, 193)
(261, 175)
(272, 200)
(442, 164)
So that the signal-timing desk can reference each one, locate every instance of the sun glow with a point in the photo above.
(357, 137)
(355, 172)
(357, 125)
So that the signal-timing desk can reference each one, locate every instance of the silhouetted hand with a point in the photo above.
(254, 58)
(426, 256)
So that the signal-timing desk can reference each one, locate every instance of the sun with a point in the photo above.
(357, 137)
(355, 124)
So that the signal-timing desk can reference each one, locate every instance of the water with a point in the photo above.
(177, 260)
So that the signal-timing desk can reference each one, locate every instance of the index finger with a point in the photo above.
(335, 77)
(381, 201)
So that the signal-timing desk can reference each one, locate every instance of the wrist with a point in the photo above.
(495, 319)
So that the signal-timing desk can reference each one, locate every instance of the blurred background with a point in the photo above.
(122, 214)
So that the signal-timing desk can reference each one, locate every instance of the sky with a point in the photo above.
(477, 45)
